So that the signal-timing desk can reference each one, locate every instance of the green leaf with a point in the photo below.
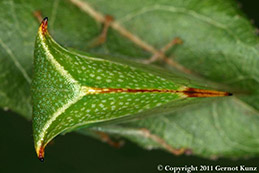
(220, 45)
(72, 90)
(226, 135)
(16, 50)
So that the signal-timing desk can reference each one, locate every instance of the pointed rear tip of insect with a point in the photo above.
(41, 159)
(229, 94)
(195, 92)
(40, 154)
(44, 26)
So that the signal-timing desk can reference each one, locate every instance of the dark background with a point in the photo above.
(77, 153)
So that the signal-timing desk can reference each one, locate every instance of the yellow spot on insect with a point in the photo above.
(89, 90)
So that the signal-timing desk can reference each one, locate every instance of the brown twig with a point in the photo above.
(162, 51)
(157, 139)
(102, 37)
(106, 138)
(37, 14)
(99, 17)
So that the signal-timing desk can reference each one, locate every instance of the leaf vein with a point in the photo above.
(15, 61)
(185, 11)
